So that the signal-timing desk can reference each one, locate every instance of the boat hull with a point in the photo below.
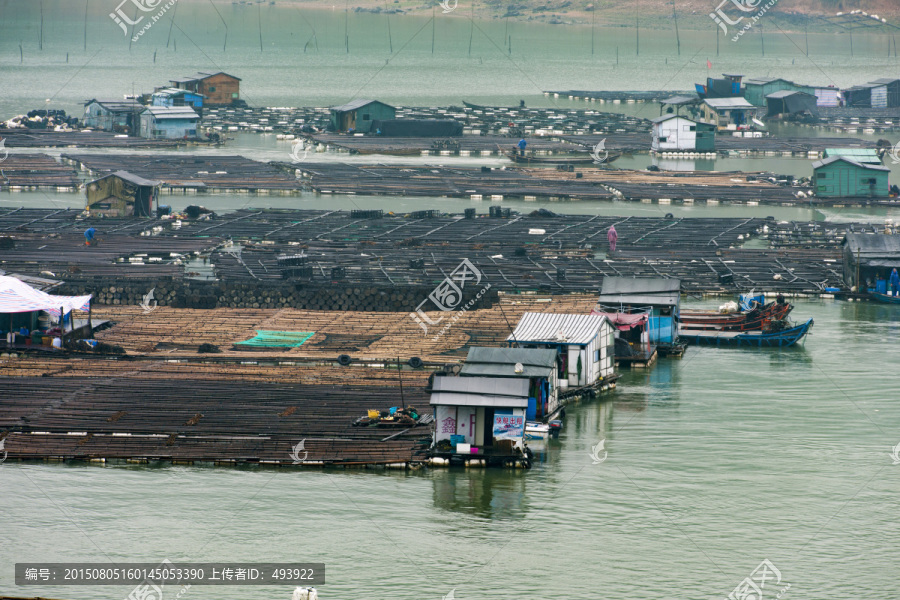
(884, 298)
(760, 339)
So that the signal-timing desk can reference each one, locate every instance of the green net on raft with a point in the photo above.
(277, 339)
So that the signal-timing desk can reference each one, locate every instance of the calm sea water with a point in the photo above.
(715, 462)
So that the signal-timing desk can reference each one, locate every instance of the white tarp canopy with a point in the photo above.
(18, 297)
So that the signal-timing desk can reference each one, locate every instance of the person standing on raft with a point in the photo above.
(612, 236)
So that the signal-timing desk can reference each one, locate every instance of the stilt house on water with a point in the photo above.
(672, 133)
(539, 367)
(843, 177)
(479, 417)
(219, 89)
(122, 194)
(585, 345)
(645, 314)
(727, 113)
(120, 116)
(357, 116)
(869, 259)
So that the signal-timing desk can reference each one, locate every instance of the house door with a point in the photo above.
(488, 426)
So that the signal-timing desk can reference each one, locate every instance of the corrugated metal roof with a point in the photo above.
(719, 103)
(647, 291)
(135, 179)
(884, 81)
(681, 100)
(200, 76)
(355, 104)
(557, 328)
(765, 80)
(642, 285)
(172, 112)
(176, 92)
(786, 93)
(664, 118)
(870, 245)
(827, 161)
(117, 105)
(501, 362)
(480, 391)
(863, 155)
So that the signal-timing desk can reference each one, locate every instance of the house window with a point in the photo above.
(821, 175)
(869, 181)
(212, 88)
(596, 356)
(234, 94)
(663, 139)
(692, 128)
(366, 117)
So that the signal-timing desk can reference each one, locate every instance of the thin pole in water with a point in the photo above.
(225, 43)
(471, 29)
(41, 37)
(806, 37)
(593, 15)
(171, 23)
(85, 22)
(637, 35)
(851, 42)
(762, 39)
(21, 54)
(432, 32)
(390, 37)
(717, 40)
(677, 37)
(259, 24)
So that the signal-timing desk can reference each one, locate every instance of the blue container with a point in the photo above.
(881, 286)
(457, 439)
(531, 411)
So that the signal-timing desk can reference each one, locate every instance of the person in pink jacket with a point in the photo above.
(612, 236)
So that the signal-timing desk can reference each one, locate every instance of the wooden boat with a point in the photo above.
(558, 160)
(885, 298)
(756, 318)
(778, 339)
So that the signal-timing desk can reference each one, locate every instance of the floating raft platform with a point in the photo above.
(188, 173)
(29, 172)
(43, 138)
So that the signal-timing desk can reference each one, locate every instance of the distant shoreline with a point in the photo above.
(692, 15)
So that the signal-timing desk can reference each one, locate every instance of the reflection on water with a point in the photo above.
(481, 492)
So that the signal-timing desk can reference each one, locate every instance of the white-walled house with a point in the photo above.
(674, 133)
(585, 343)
